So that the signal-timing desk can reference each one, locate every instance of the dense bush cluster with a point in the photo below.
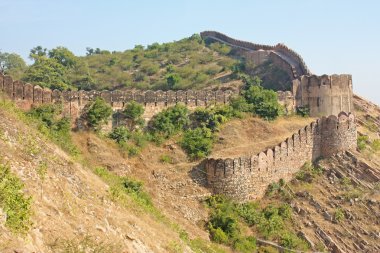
(13, 201)
(52, 124)
(170, 121)
(97, 113)
(228, 218)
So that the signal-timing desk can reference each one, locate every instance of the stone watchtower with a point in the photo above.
(324, 95)
(247, 177)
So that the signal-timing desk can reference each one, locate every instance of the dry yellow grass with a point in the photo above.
(253, 135)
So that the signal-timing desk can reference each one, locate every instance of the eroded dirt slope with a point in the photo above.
(71, 203)
(341, 208)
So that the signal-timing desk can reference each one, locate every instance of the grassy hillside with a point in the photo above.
(101, 193)
(51, 201)
(190, 63)
(183, 64)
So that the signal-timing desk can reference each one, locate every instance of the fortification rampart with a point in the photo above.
(26, 96)
(247, 177)
(324, 95)
(286, 54)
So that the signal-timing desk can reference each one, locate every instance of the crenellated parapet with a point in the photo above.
(294, 55)
(283, 55)
(247, 177)
(324, 95)
(234, 42)
(26, 95)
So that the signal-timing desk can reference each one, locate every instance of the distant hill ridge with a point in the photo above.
(324, 95)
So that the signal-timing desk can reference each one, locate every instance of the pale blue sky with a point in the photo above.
(333, 36)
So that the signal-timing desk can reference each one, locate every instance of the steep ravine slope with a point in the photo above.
(71, 204)
(340, 208)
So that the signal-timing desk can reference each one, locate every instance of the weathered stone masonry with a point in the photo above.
(247, 177)
(324, 95)
(26, 95)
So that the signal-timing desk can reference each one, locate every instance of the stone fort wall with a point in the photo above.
(324, 95)
(26, 96)
(281, 48)
(247, 177)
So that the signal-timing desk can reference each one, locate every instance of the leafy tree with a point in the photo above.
(90, 51)
(170, 121)
(196, 37)
(98, 113)
(120, 134)
(47, 72)
(211, 118)
(245, 245)
(264, 102)
(250, 81)
(220, 48)
(133, 112)
(197, 142)
(37, 52)
(239, 104)
(172, 80)
(63, 56)
(53, 125)
(10, 62)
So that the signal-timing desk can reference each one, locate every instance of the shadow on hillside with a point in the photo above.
(198, 174)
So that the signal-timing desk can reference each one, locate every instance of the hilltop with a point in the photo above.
(137, 168)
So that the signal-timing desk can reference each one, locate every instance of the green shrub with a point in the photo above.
(303, 111)
(139, 139)
(218, 235)
(352, 194)
(119, 186)
(197, 142)
(292, 241)
(220, 48)
(264, 102)
(338, 215)
(206, 118)
(223, 216)
(308, 172)
(98, 113)
(166, 159)
(225, 221)
(362, 142)
(272, 188)
(375, 145)
(285, 211)
(139, 76)
(249, 212)
(150, 69)
(172, 80)
(53, 125)
(170, 121)
(13, 201)
(245, 245)
(120, 134)
(133, 112)
(270, 225)
(239, 104)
